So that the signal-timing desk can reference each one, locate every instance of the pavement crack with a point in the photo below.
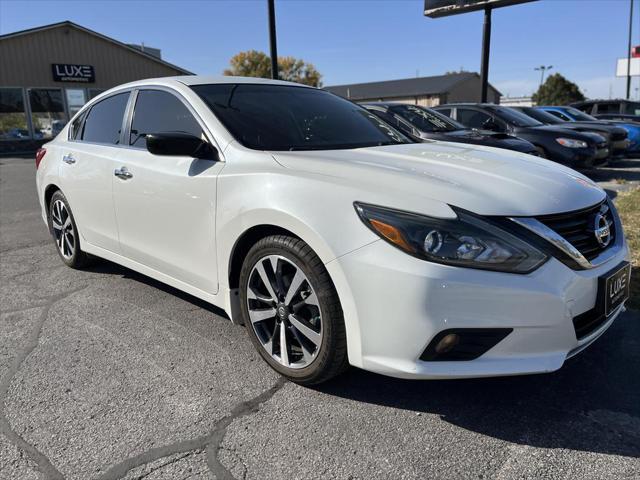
(42, 462)
(211, 441)
(217, 436)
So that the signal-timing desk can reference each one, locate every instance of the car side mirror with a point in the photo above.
(491, 125)
(180, 144)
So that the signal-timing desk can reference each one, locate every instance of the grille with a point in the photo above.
(578, 228)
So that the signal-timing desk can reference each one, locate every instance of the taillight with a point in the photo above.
(40, 155)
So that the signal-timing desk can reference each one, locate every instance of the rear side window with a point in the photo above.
(103, 123)
(157, 111)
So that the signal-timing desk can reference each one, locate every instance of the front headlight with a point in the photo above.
(571, 143)
(467, 241)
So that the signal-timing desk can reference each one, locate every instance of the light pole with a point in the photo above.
(629, 50)
(542, 69)
(272, 39)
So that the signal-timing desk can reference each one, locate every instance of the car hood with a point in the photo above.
(559, 130)
(491, 139)
(484, 180)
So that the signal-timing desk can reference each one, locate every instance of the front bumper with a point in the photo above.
(402, 302)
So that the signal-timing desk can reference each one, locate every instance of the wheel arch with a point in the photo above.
(48, 194)
(250, 236)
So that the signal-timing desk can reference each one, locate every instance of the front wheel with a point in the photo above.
(291, 310)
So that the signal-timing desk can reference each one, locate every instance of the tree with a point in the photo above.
(557, 90)
(258, 64)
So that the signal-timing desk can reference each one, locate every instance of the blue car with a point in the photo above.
(571, 114)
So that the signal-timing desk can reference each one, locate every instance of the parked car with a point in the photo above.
(334, 238)
(616, 136)
(624, 110)
(571, 114)
(575, 149)
(426, 124)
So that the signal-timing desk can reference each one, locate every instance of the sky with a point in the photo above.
(351, 41)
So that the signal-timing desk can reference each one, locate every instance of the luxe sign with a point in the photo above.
(65, 72)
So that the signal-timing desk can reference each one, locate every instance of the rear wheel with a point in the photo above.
(65, 232)
(291, 310)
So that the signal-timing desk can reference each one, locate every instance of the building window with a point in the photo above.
(94, 92)
(76, 98)
(13, 119)
(47, 112)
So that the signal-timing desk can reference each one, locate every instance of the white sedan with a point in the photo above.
(332, 237)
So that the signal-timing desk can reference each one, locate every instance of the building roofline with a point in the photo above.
(68, 23)
(461, 74)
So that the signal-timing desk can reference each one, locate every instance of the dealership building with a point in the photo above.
(47, 73)
(425, 91)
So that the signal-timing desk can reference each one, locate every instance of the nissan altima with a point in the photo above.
(331, 236)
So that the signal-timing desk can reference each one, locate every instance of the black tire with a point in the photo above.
(75, 258)
(330, 358)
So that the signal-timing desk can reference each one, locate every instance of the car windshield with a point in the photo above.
(578, 115)
(541, 115)
(514, 117)
(426, 120)
(282, 117)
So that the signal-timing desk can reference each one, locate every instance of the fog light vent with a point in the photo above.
(458, 344)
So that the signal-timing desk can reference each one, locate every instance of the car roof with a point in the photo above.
(190, 80)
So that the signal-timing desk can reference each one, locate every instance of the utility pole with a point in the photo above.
(272, 39)
(542, 69)
(629, 50)
(486, 45)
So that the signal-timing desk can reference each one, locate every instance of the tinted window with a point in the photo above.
(540, 115)
(104, 121)
(514, 117)
(578, 115)
(559, 115)
(426, 120)
(608, 108)
(445, 111)
(160, 112)
(632, 108)
(278, 117)
(472, 118)
(13, 119)
(47, 112)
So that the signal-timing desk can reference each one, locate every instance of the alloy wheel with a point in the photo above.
(63, 231)
(284, 311)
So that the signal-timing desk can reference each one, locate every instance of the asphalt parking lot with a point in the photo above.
(107, 374)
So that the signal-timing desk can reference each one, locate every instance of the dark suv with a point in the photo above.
(423, 123)
(626, 110)
(575, 149)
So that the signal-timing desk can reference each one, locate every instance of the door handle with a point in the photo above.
(123, 173)
(68, 159)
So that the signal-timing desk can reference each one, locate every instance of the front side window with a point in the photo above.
(47, 112)
(13, 119)
(579, 116)
(157, 111)
(103, 123)
(280, 117)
